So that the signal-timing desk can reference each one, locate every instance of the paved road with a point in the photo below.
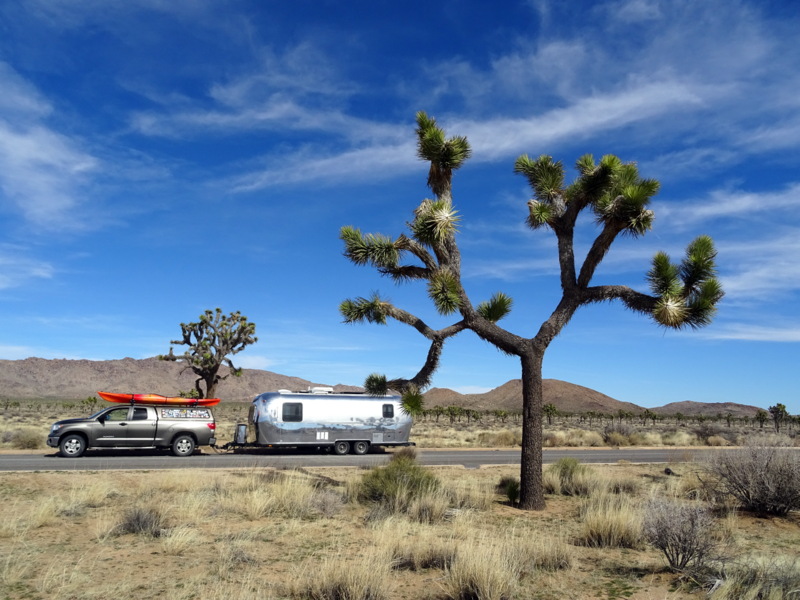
(100, 460)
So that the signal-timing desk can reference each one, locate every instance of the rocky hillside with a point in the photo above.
(567, 397)
(78, 379)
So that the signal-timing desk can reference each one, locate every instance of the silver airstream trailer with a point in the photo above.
(318, 417)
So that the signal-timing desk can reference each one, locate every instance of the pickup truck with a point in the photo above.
(180, 429)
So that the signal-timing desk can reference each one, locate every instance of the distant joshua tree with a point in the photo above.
(211, 341)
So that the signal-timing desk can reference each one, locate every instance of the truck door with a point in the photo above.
(141, 426)
(113, 428)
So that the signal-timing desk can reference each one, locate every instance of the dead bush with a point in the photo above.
(683, 532)
(763, 479)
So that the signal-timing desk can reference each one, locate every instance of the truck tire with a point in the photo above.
(72, 446)
(360, 447)
(341, 447)
(183, 445)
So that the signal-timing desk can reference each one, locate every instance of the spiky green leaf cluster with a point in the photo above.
(688, 293)
(443, 289)
(625, 200)
(445, 154)
(544, 175)
(433, 146)
(412, 402)
(376, 384)
(496, 308)
(371, 310)
(434, 221)
(375, 249)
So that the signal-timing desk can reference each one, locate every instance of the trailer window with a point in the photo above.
(388, 411)
(293, 411)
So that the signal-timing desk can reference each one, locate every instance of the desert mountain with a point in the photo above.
(567, 397)
(78, 379)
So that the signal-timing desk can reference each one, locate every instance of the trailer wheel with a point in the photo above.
(360, 447)
(341, 447)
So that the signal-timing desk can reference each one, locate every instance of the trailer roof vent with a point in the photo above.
(321, 390)
(284, 391)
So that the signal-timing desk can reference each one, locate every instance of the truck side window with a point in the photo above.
(388, 411)
(139, 414)
(293, 411)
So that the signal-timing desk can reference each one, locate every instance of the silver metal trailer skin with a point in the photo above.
(344, 422)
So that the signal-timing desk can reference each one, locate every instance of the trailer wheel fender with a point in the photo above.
(341, 447)
(360, 447)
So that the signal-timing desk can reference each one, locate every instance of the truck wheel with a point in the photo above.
(183, 445)
(72, 446)
(360, 447)
(341, 447)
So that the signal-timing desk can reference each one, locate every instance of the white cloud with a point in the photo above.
(754, 333)
(16, 270)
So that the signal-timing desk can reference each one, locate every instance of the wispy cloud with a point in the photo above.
(41, 170)
(754, 333)
(16, 269)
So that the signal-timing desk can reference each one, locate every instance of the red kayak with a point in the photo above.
(157, 399)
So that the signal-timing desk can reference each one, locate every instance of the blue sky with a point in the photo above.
(161, 157)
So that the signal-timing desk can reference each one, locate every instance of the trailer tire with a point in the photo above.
(360, 447)
(341, 447)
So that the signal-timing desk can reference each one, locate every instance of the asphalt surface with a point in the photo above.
(102, 460)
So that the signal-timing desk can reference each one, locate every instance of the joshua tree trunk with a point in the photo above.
(531, 489)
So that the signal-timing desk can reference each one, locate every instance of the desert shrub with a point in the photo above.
(26, 439)
(682, 532)
(626, 485)
(762, 479)
(758, 579)
(554, 439)
(471, 496)
(583, 438)
(141, 521)
(500, 439)
(678, 438)
(398, 483)
(610, 521)
(645, 438)
(547, 553)
(616, 439)
(509, 487)
(483, 570)
(716, 440)
(422, 551)
(365, 579)
(574, 478)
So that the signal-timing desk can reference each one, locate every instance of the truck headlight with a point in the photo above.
(55, 428)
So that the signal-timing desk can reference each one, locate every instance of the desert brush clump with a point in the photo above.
(682, 531)
(569, 477)
(508, 486)
(397, 484)
(365, 579)
(138, 520)
(610, 521)
(764, 480)
(756, 578)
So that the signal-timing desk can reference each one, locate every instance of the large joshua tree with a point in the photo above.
(682, 295)
(210, 343)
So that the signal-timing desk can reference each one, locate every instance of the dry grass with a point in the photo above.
(62, 530)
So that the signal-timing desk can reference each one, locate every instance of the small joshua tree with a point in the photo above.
(211, 341)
